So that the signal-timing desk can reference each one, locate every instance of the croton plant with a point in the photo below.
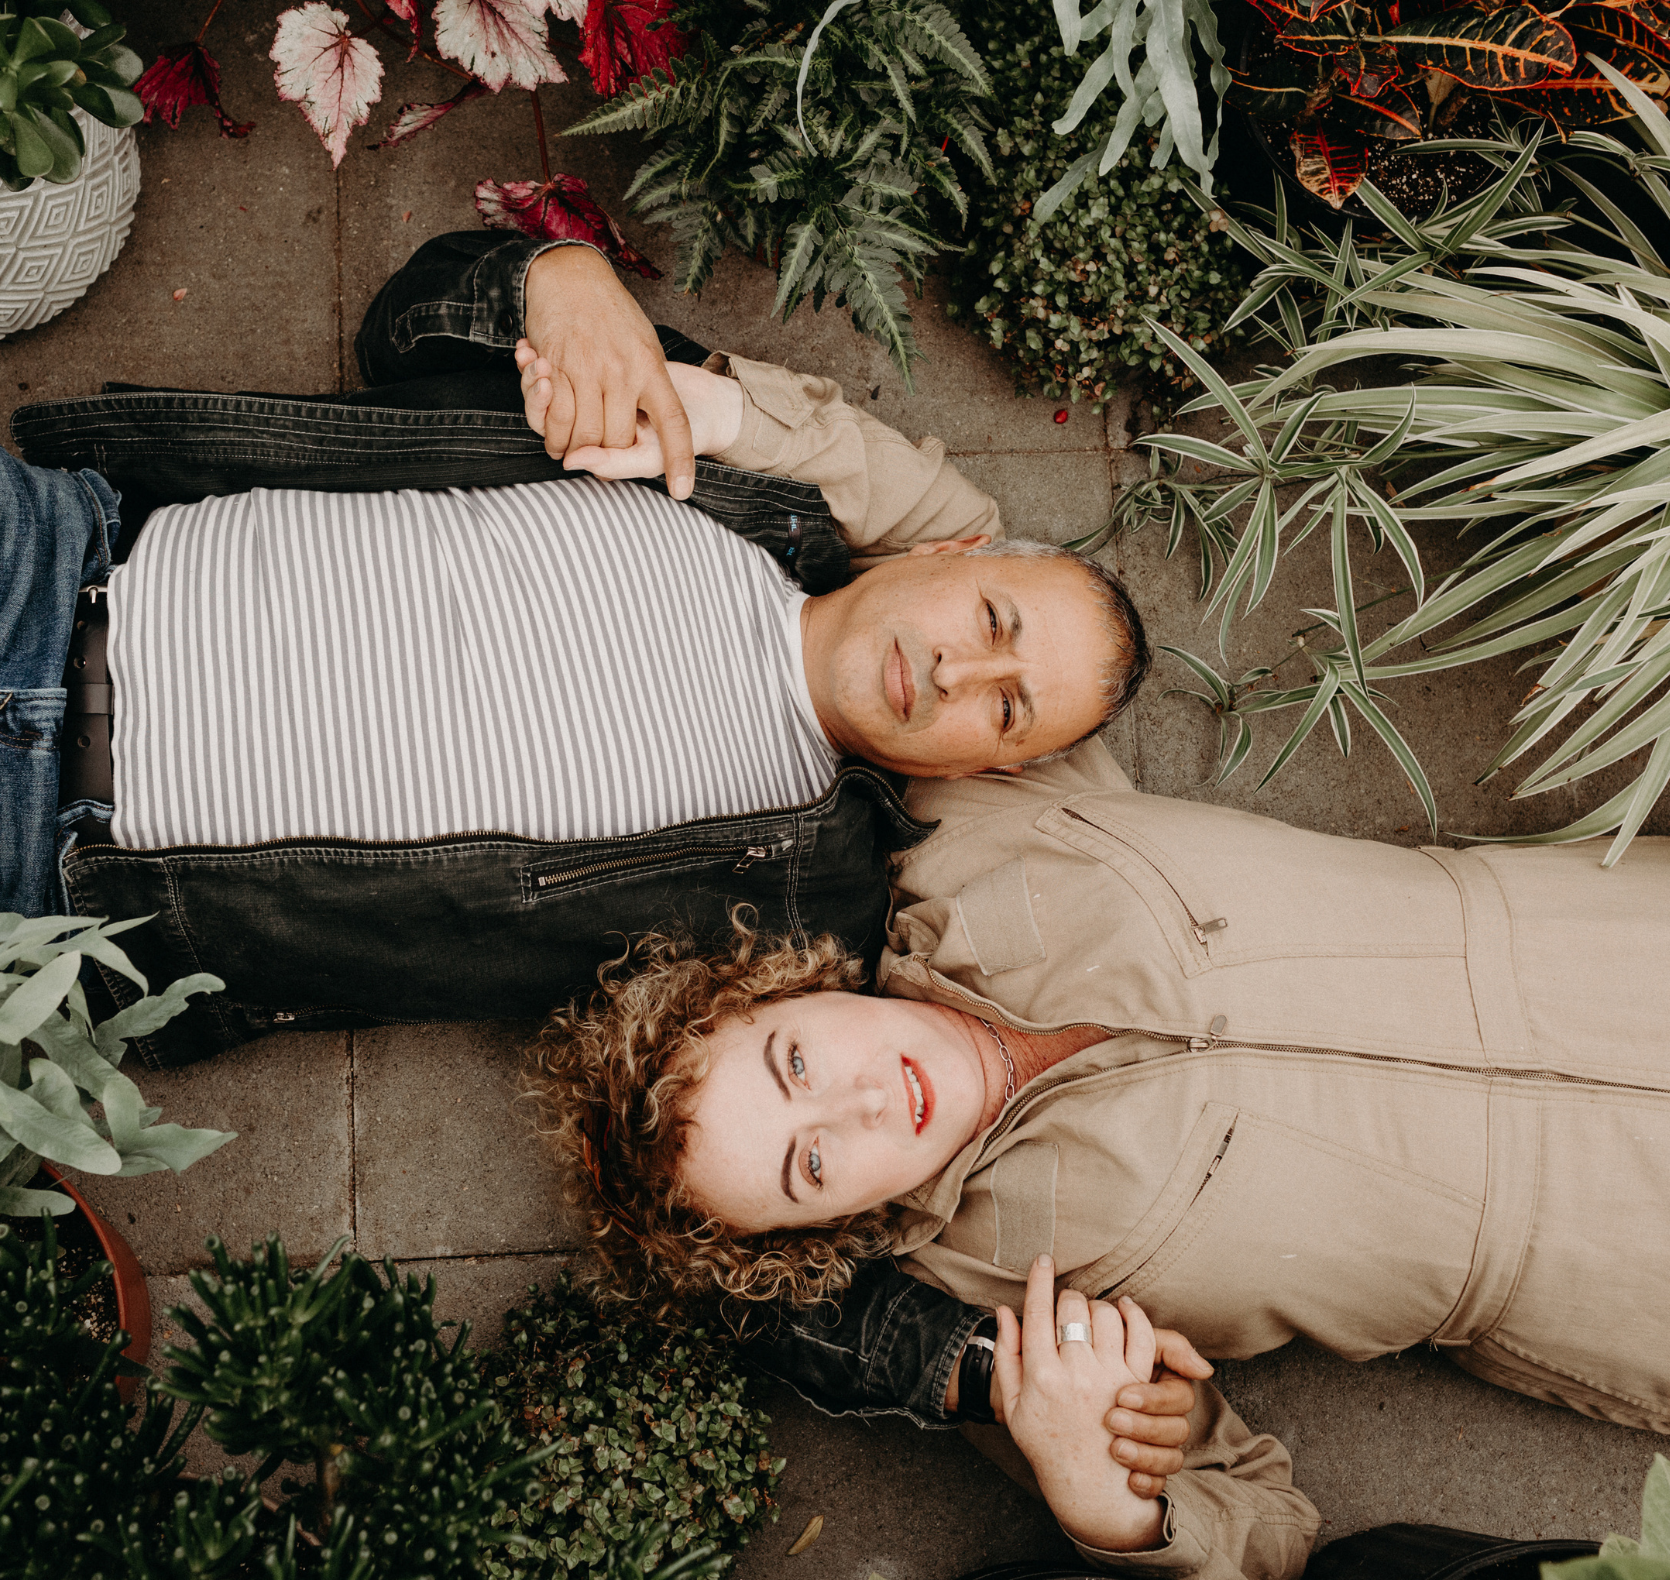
(1338, 72)
(328, 65)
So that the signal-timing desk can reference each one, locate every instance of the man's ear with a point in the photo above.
(952, 545)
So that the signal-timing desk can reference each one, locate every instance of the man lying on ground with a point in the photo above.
(376, 744)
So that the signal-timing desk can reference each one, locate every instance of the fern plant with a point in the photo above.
(816, 139)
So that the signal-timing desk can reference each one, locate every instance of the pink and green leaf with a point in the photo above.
(499, 41)
(415, 118)
(333, 75)
(183, 75)
(560, 209)
(628, 39)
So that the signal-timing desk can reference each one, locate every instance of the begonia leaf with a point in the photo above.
(334, 76)
(183, 75)
(415, 118)
(628, 39)
(560, 209)
(499, 40)
(406, 11)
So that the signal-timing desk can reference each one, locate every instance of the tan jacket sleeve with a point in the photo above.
(1232, 1512)
(885, 493)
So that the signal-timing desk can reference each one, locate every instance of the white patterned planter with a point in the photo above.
(56, 240)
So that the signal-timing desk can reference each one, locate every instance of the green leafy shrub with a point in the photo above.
(645, 1424)
(821, 167)
(1071, 300)
(344, 1371)
(47, 70)
(46, 1104)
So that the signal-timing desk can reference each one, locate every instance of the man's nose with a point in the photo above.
(956, 671)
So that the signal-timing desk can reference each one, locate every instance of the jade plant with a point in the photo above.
(815, 137)
(47, 71)
(1072, 300)
(345, 1372)
(69, 1103)
(642, 1423)
(1623, 1557)
(1338, 73)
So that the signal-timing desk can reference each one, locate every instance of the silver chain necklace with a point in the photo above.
(1008, 1063)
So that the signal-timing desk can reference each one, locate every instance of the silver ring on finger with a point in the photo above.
(1073, 1333)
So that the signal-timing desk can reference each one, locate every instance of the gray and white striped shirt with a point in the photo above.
(562, 660)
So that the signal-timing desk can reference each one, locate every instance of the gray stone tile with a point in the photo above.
(896, 1501)
(446, 1163)
(1412, 1437)
(1052, 498)
(287, 1098)
(479, 1290)
(246, 227)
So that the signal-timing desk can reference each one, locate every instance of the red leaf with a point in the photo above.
(415, 118)
(183, 75)
(499, 40)
(333, 75)
(560, 209)
(624, 42)
(406, 11)
(1331, 169)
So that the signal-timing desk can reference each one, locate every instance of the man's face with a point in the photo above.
(941, 663)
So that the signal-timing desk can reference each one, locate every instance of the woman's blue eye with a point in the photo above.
(814, 1167)
(797, 1065)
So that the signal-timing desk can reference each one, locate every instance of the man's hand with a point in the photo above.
(1055, 1399)
(712, 402)
(604, 364)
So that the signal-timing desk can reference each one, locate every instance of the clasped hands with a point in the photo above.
(596, 386)
(1062, 1401)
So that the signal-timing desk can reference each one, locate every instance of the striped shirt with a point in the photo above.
(562, 660)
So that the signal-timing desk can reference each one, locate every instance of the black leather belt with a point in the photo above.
(85, 770)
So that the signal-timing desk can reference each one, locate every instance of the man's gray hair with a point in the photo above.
(1124, 672)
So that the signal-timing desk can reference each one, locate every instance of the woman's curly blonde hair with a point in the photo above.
(613, 1079)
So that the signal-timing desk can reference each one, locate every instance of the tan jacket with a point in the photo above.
(1380, 1097)
(886, 494)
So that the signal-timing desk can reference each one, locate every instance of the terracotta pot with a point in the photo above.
(133, 1297)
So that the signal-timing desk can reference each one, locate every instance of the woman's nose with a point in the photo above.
(868, 1106)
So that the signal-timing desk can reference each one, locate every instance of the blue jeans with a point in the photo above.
(56, 533)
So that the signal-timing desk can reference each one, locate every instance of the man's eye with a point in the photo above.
(991, 618)
(797, 1065)
(814, 1166)
(1008, 714)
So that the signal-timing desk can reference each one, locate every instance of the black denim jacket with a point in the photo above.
(334, 933)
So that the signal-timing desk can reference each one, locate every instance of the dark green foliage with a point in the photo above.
(647, 1425)
(74, 1479)
(1069, 301)
(350, 1373)
(347, 1372)
(842, 211)
(46, 70)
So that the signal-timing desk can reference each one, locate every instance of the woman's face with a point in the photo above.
(827, 1105)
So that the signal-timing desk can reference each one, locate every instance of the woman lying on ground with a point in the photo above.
(1266, 1082)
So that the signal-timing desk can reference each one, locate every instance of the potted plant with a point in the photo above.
(68, 1103)
(67, 156)
(345, 1371)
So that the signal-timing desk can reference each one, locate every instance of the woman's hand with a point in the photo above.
(712, 403)
(1055, 1401)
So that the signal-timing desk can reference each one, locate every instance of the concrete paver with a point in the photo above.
(287, 1097)
(409, 1139)
(445, 1162)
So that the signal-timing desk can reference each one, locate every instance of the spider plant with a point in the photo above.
(1536, 422)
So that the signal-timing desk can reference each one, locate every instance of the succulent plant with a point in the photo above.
(47, 70)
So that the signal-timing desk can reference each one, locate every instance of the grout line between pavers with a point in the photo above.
(341, 316)
(353, 1155)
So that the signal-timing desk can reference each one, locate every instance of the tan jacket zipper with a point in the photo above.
(1200, 929)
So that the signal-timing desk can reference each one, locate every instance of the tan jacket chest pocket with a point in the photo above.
(1186, 915)
(1264, 1232)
